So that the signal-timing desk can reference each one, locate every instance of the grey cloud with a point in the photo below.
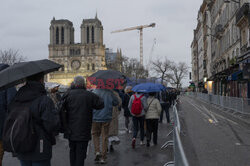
(24, 25)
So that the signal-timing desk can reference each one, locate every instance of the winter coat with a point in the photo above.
(154, 108)
(6, 97)
(79, 105)
(110, 100)
(164, 99)
(45, 116)
(113, 127)
(125, 103)
(144, 104)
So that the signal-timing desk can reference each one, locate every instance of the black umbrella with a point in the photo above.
(107, 79)
(18, 73)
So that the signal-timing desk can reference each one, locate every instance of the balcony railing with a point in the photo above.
(244, 10)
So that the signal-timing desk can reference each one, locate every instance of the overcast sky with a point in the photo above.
(24, 25)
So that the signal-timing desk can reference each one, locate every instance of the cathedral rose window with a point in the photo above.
(75, 64)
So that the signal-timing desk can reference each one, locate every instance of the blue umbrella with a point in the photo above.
(149, 87)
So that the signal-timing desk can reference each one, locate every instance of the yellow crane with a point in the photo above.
(140, 28)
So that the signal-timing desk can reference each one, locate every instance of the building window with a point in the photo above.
(93, 66)
(93, 35)
(78, 52)
(57, 35)
(62, 35)
(87, 66)
(87, 34)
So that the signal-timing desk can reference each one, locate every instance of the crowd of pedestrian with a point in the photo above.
(35, 116)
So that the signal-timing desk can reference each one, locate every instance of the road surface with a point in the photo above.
(211, 137)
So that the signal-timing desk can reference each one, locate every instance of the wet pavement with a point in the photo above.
(212, 137)
(123, 155)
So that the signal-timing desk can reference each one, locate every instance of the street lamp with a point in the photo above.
(205, 79)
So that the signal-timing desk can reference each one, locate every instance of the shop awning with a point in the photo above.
(234, 76)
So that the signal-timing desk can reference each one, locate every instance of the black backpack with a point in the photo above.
(19, 134)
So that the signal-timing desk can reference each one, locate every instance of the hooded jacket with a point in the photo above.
(6, 97)
(46, 119)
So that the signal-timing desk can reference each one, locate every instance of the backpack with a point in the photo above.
(19, 134)
(137, 105)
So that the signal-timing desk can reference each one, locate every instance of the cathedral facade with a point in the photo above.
(83, 58)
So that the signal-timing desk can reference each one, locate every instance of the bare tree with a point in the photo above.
(11, 57)
(178, 73)
(132, 68)
(162, 68)
(128, 66)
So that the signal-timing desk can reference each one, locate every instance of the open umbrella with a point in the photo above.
(106, 79)
(149, 87)
(18, 73)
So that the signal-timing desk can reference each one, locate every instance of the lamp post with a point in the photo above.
(205, 79)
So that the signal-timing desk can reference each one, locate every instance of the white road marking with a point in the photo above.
(211, 114)
(226, 119)
(206, 116)
(229, 120)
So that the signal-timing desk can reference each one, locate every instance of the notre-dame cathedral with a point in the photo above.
(83, 58)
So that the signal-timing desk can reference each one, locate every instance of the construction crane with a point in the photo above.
(140, 28)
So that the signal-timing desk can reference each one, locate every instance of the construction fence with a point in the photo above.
(237, 104)
(179, 154)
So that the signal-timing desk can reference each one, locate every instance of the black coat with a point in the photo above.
(6, 97)
(79, 105)
(125, 103)
(46, 119)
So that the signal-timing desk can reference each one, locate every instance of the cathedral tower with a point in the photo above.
(92, 31)
(61, 32)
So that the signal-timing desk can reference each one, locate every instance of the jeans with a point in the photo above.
(1, 153)
(138, 122)
(98, 129)
(152, 127)
(127, 120)
(165, 107)
(35, 163)
(78, 152)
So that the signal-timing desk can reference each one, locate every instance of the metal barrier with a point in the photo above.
(179, 154)
(234, 103)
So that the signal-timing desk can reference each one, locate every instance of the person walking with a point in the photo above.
(165, 104)
(125, 103)
(45, 117)
(152, 118)
(79, 104)
(137, 106)
(54, 95)
(113, 128)
(101, 122)
(6, 97)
